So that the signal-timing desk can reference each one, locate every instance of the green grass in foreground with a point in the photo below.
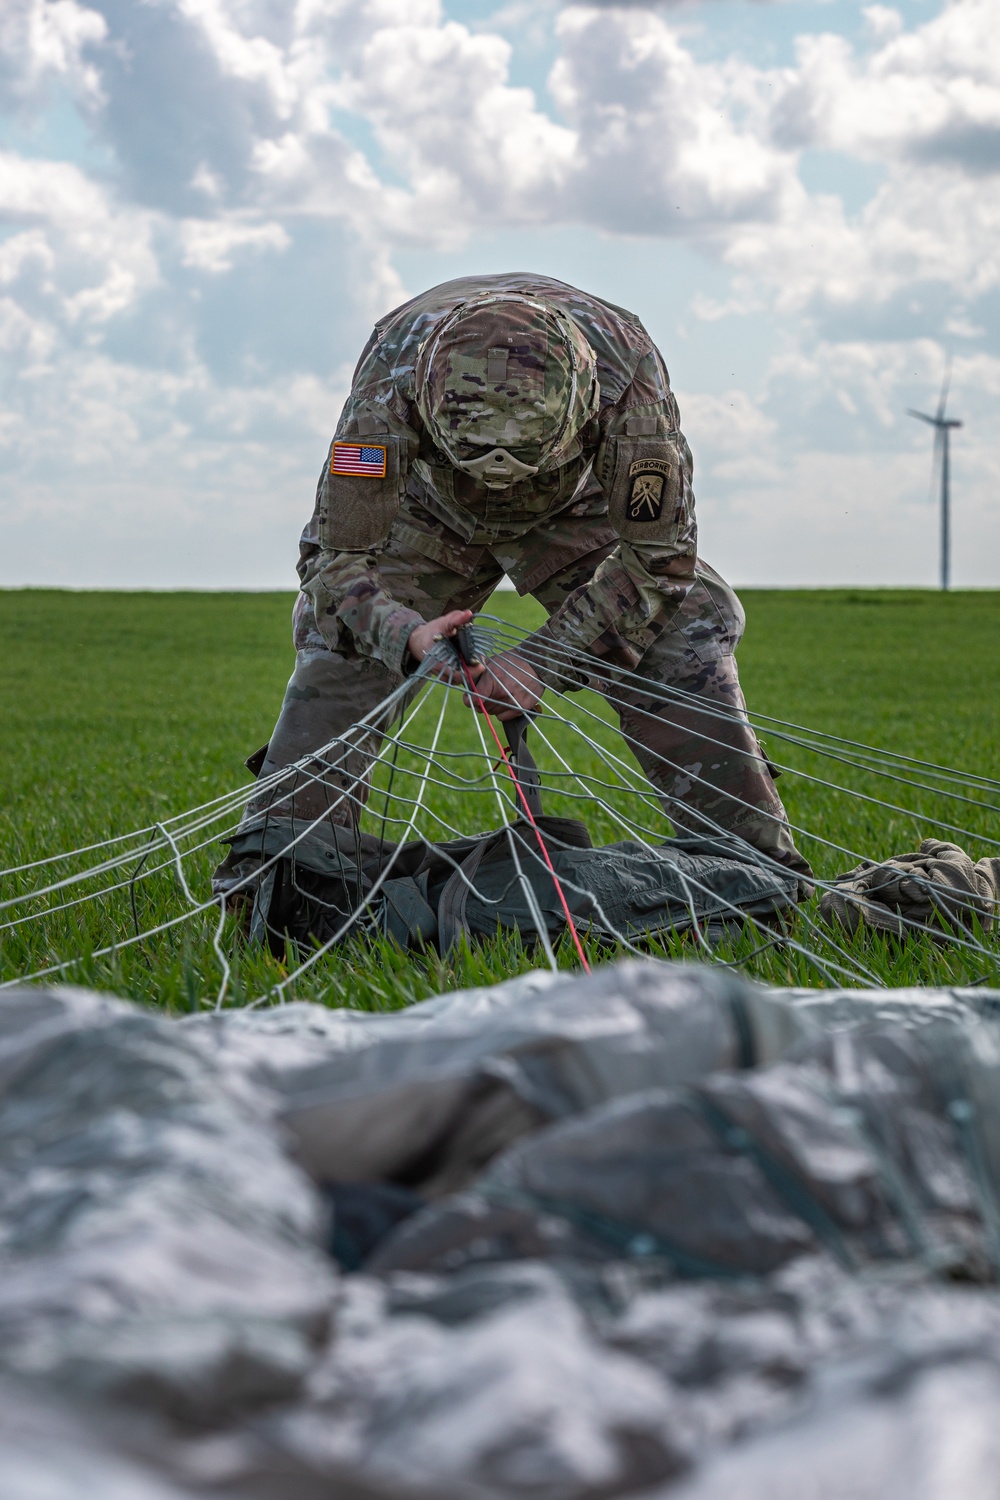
(121, 709)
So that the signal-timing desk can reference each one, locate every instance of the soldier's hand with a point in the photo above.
(423, 638)
(506, 686)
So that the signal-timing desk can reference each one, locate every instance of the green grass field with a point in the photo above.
(122, 709)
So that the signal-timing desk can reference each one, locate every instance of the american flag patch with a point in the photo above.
(355, 458)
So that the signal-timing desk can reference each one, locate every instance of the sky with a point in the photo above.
(204, 205)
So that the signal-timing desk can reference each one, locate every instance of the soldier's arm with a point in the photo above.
(645, 468)
(353, 609)
(357, 499)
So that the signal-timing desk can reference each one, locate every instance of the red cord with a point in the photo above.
(538, 833)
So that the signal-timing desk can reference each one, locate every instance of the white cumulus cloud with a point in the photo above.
(210, 244)
(43, 40)
(927, 95)
(178, 322)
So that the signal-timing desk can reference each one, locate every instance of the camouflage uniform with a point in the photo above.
(604, 537)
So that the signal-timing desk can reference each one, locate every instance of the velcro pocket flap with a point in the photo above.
(441, 547)
(644, 486)
(360, 493)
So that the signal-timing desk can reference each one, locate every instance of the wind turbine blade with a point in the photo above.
(944, 391)
(931, 421)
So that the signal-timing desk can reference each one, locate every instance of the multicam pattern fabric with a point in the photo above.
(605, 540)
(507, 370)
(704, 760)
(616, 613)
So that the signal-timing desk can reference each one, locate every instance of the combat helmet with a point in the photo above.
(504, 385)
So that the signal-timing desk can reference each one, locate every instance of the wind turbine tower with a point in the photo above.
(942, 433)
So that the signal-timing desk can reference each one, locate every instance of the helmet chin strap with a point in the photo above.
(498, 470)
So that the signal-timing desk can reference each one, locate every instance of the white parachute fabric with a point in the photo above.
(156, 1238)
(618, 1224)
(382, 1094)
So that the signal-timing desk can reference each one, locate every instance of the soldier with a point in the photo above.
(512, 424)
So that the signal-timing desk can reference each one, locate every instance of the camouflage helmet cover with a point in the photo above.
(507, 371)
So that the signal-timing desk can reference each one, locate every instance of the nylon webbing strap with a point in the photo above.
(451, 906)
(523, 762)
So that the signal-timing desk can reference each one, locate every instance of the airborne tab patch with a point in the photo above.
(649, 477)
(364, 460)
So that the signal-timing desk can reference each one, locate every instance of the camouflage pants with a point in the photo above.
(699, 751)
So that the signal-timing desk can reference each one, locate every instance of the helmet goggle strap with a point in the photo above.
(498, 469)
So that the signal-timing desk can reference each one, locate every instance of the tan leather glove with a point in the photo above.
(938, 886)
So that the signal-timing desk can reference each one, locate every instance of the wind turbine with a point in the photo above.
(942, 433)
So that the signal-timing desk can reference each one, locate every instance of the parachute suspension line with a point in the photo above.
(764, 859)
(192, 900)
(507, 636)
(541, 926)
(278, 990)
(357, 803)
(415, 762)
(826, 938)
(690, 882)
(451, 830)
(473, 693)
(215, 808)
(708, 712)
(68, 963)
(687, 880)
(299, 767)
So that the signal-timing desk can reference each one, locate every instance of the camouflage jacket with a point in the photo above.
(632, 463)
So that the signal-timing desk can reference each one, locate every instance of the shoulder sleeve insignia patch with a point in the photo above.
(363, 460)
(648, 479)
